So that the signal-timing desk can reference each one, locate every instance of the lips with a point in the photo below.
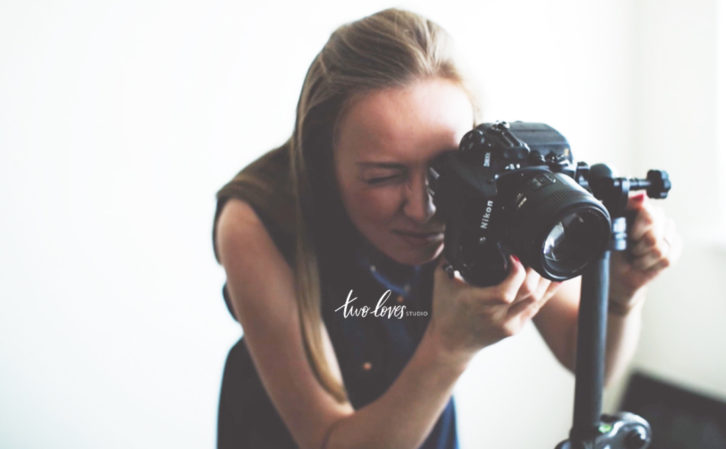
(417, 238)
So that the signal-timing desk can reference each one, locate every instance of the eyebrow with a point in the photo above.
(392, 165)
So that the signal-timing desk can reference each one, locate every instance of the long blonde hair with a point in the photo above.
(390, 48)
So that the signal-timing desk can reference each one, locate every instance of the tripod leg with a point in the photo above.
(590, 365)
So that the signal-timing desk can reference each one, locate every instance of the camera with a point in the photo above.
(513, 188)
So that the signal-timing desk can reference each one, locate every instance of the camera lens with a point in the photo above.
(570, 245)
(555, 226)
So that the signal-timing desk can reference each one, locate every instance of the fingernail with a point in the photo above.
(639, 197)
(516, 259)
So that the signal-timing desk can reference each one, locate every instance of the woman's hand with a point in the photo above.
(653, 246)
(467, 318)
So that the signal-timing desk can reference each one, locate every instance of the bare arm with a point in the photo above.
(260, 285)
(464, 319)
(557, 322)
(261, 288)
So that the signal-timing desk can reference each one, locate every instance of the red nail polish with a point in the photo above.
(638, 197)
(515, 257)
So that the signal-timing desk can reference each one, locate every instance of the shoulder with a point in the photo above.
(251, 259)
(235, 215)
(259, 198)
(240, 231)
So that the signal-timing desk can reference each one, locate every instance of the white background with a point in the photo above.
(119, 120)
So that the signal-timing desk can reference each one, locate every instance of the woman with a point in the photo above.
(319, 229)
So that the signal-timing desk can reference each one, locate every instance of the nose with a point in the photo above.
(418, 202)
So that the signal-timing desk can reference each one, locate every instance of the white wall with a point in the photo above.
(683, 129)
(119, 120)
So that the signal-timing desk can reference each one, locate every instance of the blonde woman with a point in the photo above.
(353, 335)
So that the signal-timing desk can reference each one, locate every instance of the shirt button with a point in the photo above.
(367, 366)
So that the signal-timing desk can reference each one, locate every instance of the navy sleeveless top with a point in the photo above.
(371, 351)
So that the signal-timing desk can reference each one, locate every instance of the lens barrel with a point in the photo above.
(554, 225)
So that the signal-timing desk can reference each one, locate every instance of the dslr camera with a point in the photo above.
(513, 188)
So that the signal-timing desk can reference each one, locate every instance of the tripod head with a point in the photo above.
(622, 430)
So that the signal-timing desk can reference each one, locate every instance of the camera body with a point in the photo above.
(513, 188)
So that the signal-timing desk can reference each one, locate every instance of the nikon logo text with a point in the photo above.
(487, 215)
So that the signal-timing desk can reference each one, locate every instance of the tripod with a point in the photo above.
(590, 429)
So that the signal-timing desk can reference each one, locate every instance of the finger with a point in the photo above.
(662, 242)
(648, 218)
(637, 204)
(653, 270)
(529, 286)
(552, 289)
(650, 260)
(540, 293)
(647, 242)
(542, 287)
(529, 307)
(520, 307)
(663, 254)
(636, 201)
(508, 288)
(663, 234)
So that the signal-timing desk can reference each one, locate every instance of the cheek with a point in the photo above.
(371, 207)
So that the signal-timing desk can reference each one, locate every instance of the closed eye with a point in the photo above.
(383, 179)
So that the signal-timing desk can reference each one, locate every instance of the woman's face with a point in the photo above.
(385, 144)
